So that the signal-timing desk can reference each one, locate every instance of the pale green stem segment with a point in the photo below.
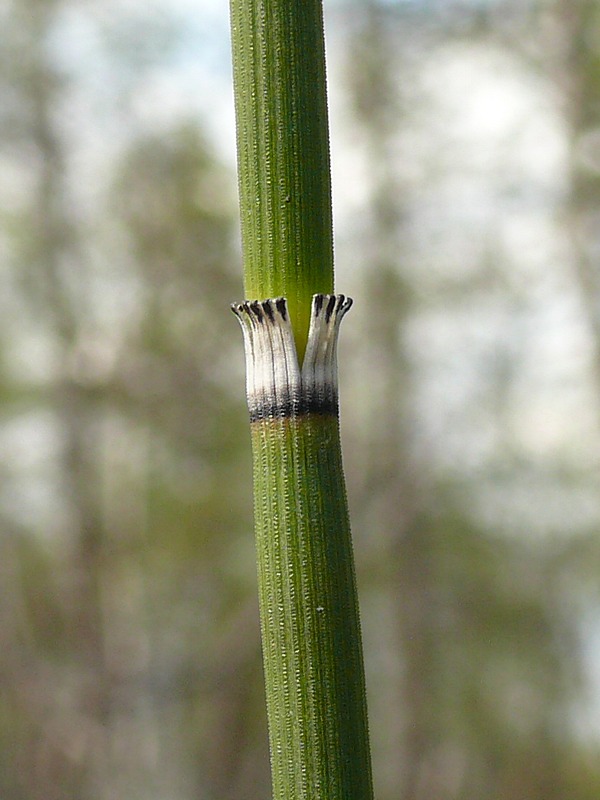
(308, 600)
(283, 152)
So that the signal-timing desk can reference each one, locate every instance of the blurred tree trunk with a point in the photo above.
(393, 483)
(446, 577)
(56, 282)
(578, 76)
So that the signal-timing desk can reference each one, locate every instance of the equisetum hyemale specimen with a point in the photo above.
(309, 614)
(308, 604)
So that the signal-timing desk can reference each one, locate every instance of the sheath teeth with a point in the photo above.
(275, 384)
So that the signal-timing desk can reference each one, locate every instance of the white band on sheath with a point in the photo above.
(275, 385)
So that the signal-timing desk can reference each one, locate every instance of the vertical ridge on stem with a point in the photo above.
(307, 587)
(283, 152)
(309, 614)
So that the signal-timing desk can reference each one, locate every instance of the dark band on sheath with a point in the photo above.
(276, 387)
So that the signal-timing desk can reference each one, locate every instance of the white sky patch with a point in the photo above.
(488, 150)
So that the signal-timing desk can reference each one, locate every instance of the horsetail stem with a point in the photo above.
(311, 638)
(283, 152)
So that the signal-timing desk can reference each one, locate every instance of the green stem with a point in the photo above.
(308, 602)
(283, 152)
(311, 636)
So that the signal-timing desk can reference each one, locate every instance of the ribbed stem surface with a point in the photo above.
(308, 602)
(283, 152)
(309, 616)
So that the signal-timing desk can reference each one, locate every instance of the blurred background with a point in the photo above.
(466, 166)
